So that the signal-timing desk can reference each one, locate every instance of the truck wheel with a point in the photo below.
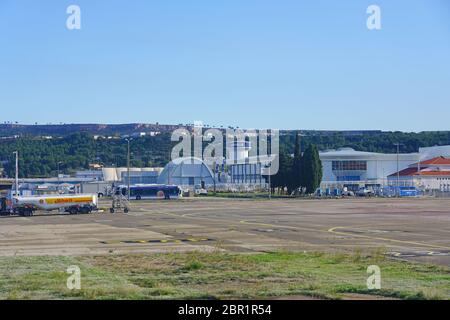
(126, 210)
(138, 198)
(111, 210)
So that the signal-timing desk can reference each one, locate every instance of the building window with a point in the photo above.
(349, 165)
(348, 178)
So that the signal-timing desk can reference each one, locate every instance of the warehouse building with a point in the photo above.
(431, 174)
(346, 167)
(120, 174)
(427, 169)
(188, 171)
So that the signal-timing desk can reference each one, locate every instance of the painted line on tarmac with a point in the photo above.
(331, 230)
(241, 222)
(412, 254)
(186, 240)
(420, 244)
(228, 222)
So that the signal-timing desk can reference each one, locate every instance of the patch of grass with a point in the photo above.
(220, 275)
(192, 266)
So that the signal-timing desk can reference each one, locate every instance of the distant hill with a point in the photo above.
(76, 146)
(10, 129)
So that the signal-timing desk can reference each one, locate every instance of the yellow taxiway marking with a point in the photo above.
(228, 222)
(331, 230)
(157, 241)
(421, 244)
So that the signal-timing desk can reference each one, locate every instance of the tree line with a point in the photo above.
(298, 173)
(39, 157)
(43, 157)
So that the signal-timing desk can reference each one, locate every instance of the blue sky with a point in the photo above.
(287, 64)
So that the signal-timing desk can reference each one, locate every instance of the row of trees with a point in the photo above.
(42, 157)
(383, 142)
(302, 171)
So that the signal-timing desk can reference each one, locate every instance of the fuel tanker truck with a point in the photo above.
(73, 204)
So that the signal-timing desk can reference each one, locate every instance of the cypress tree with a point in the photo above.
(312, 169)
(282, 178)
(296, 176)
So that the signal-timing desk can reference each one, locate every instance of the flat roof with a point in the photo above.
(353, 154)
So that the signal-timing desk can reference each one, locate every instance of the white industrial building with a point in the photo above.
(117, 174)
(425, 169)
(345, 167)
(188, 171)
(244, 169)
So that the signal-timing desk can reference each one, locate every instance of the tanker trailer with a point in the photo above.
(73, 204)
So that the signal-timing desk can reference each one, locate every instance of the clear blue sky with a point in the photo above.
(251, 63)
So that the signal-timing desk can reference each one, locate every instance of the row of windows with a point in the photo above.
(249, 178)
(349, 165)
(348, 178)
(246, 169)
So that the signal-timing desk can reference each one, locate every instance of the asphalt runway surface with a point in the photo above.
(410, 229)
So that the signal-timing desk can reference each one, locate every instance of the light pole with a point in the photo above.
(128, 168)
(270, 184)
(270, 187)
(398, 168)
(16, 153)
(214, 176)
(57, 169)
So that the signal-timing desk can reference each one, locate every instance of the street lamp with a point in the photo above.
(398, 167)
(16, 153)
(270, 187)
(58, 166)
(57, 169)
(128, 168)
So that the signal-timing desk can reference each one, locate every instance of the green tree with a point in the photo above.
(283, 177)
(296, 172)
(312, 169)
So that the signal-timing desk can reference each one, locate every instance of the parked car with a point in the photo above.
(199, 191)
(348, 193)
(364, 192)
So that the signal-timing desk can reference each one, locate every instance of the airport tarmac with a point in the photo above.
(411, 229)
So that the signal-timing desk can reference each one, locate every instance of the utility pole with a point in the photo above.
(168, 171)
(214, 172)
(57, 165)
(398, 168)
(270, 184)
(128, 169)
(16, 153)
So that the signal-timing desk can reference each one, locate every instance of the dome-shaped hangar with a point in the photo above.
(187, 171)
